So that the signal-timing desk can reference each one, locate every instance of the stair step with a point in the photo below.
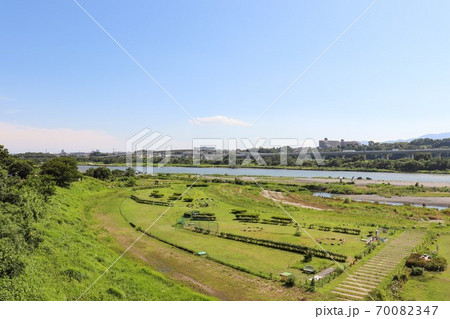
(365, 278)
(354, 286)
(353, 297)
(364, 284)
(351, 291)
(376, 269)
(369, 274)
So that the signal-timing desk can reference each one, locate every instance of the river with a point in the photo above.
(408, 177)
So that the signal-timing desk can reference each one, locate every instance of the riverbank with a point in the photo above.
(354, 176)
(294, 168)
(409, 200)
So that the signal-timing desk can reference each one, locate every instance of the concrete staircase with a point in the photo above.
(367, 277)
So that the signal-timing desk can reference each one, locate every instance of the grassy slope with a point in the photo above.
(75, 252)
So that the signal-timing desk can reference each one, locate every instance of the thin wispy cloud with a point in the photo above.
(6, 98)
(220, 120)
(20, 138)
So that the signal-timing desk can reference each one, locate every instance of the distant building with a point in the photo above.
(326, 143)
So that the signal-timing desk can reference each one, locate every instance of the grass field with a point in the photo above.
(220, 198)
(89, 229)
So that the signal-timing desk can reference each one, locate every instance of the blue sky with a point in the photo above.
(65, 84)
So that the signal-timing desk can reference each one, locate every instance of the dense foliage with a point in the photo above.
(63, 170)
(434, 264)
(23, 199)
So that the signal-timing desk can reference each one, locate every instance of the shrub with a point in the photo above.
(115, 292)
(435, 264)
(74, 274)
(312, 286)
(290, 281)
(130, 182)
(416, 271)
(308, 257)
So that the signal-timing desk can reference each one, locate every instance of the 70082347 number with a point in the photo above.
(406, 310)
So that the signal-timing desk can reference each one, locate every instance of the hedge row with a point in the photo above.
(166, 242)
(150, 187)
(247, 217)
(285, 246)
(336, 229)
(149, 202)
(243, 269)
(350, 231)
(276, 220)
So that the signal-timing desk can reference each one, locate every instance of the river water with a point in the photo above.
(409, 177)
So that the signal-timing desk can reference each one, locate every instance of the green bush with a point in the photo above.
(416, 271)
(290, 281)
(435, 264)
(308, 257)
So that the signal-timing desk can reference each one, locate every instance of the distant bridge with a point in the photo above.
(381, 153)
(445, 152)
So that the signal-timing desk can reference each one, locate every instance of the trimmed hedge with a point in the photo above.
(350, 231)
(285, 246)
(203, 216)
(247, 217)
(149, 202)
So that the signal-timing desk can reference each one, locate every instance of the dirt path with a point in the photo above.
(202, 275)
(279, 197)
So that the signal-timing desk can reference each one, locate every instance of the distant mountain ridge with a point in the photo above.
(438, 136)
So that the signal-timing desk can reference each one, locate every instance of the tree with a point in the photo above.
(63, 170)
(20, 168)
(118, 173)
(102, 173)
(129, 172)
(4, 157)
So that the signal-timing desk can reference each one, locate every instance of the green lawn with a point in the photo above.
(75, 251)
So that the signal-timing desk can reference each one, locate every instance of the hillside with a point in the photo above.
(74, 251)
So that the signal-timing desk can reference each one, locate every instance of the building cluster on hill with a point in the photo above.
(326, 143)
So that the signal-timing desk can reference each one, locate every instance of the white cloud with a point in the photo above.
(19, 138)
(220, 120)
